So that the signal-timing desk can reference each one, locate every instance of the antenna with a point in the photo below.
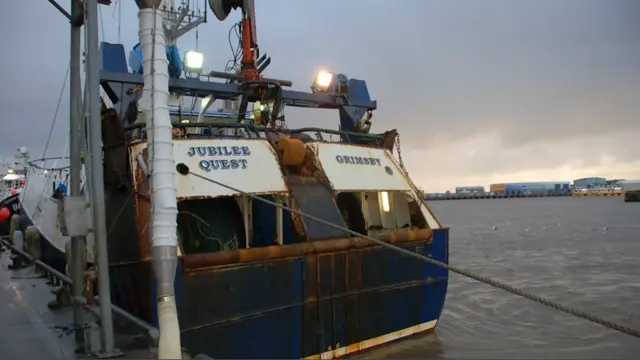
(179, 20)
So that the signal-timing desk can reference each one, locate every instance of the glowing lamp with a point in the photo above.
(323, 81)
(10, 171)
(193, 62)
(4, 214)
(329, 83)
(384, 200)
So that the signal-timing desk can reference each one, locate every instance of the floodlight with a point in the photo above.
(193, 61)
(322, 81)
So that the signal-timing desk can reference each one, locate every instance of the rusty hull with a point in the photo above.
(331, 302)
(201, 262)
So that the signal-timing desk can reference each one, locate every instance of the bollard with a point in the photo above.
(50, 278)
(33, 245)
(17, 260)
(14, 225)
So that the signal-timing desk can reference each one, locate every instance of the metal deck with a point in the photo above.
(29, 330)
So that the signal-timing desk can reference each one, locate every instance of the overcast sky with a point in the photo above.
(481, 91)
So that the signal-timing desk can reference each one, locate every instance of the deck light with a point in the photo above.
(322, 81)
(193, 61)
(330, 83)
(384, 199)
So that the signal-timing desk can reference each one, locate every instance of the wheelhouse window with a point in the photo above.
(391, 210)
(234, 222)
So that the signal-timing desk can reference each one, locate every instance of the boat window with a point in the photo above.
(392, 210)
(270, 225)
(371, 209)
(350, 205)
(210, 225)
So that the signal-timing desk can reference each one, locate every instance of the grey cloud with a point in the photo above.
(523, 85)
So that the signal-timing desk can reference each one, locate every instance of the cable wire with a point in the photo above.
(233, 65)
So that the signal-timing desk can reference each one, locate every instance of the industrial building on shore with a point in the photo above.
(532, 188)
(592, 186)
(524, 188)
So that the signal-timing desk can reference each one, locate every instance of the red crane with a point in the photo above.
(251, 66)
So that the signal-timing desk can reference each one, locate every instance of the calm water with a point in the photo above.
(581, 252)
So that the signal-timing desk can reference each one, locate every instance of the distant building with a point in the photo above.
(469, 189)
(497, 188)
(537, 188)
(589, 182)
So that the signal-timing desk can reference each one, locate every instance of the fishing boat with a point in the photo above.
(11, 186)
(254, 279)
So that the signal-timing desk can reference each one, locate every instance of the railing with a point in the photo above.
(258, 131)
(150, 331)
(34, 163)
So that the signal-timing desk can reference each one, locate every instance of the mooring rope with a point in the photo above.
(184, 170)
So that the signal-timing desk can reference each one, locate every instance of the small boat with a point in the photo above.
(11, 186)
(599, 190)
(255, 280)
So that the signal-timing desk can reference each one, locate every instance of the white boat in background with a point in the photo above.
(46, 185)
(603, 190)
(630, 185)
(11, 184)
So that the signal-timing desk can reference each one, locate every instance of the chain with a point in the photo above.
(400, 161)
(184, 170)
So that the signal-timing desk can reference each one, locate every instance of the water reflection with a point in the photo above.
(553, 247)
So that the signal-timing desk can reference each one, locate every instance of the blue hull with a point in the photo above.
(336, 303)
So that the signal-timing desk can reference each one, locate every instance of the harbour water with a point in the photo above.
(581, 252)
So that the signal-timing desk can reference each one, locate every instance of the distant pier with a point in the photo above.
(478, 196)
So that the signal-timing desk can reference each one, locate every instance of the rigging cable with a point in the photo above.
(233, 64)
(53, 124)
(119, 19)
(55, 114)
(184, 170)
(101, 23)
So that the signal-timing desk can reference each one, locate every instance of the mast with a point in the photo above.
(97, 177)
(77, 266)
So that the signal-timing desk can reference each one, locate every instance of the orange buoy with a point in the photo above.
(14, 191)
(5, 214)
(293, 151)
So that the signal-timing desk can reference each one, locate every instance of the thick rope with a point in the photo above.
(184, 170)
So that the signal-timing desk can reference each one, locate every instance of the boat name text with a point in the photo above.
(358, 160)
(224, 164)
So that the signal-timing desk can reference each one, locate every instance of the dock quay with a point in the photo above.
(30, 329)
(478, 196)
